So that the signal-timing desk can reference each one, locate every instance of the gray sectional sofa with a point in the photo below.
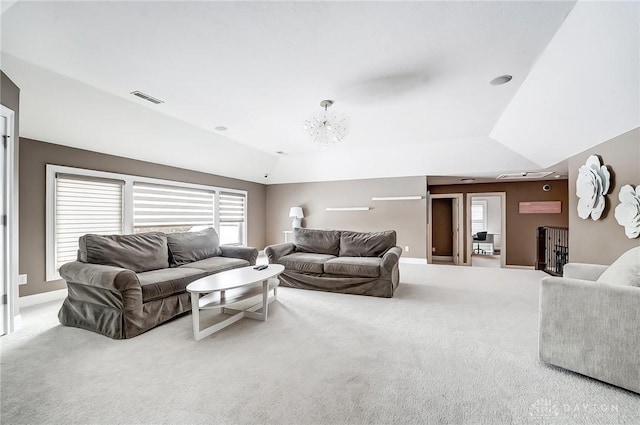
(124, 285)
(590, 320)
(339, 261)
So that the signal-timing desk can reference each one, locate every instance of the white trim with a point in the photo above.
(442, 258)
(520, 267)
(503, 224)
(348, 209)
(453, 196)
(397, 198)
(44, 297)
(127, 204)
(11, 174)
(413, 260)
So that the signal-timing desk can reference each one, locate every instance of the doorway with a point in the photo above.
(445, 243)
(486, 229)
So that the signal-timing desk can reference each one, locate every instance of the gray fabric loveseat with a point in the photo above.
(123, 285)
(339, 261)
(590, 320)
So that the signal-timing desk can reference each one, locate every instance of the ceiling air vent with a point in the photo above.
(146, 97)
(524, 175)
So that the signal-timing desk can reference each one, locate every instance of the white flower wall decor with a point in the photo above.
(628, 211)
(591, 187)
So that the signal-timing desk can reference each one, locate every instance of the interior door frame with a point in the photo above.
(503, 225)
(458, 235)
(11, 206)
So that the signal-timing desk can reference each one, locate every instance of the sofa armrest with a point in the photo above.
(274, 252)
(583, 271)
(108, 286)
(109, 278)
(591, 328)
(243, 252)
(391, 258)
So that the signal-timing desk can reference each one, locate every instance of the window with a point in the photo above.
(478, 216)
(84, 205)
(86, 201)
(232, 218)
(171, 209)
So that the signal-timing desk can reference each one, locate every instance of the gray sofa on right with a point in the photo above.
(590, 320)
(360, 263)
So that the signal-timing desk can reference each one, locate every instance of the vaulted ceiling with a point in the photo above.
(413, 77)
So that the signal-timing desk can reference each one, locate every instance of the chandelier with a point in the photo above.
(327, 128)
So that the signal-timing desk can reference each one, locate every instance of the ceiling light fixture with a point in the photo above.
(327, 128)
(467, 180)
(221, 128)
(503, 79)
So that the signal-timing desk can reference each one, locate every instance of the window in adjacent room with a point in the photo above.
(478, 216)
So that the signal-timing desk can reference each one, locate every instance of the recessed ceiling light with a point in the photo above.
(467, 180)
(503, 79)
(221, 128)
(281, 153)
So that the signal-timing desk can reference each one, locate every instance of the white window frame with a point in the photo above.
(127, 204)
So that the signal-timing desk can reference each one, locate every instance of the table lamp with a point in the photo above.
(297, 215)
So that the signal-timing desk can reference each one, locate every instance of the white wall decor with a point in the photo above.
(591, 187)
(628, 211)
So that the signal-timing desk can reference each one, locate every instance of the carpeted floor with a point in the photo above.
(456, 345)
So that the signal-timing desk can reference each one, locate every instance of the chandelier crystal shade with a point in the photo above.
(327, 128)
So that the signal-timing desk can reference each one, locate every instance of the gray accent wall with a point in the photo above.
(602, 241)
(35, 155)
(407, 218)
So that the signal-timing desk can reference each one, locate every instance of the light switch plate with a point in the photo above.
(22, 279)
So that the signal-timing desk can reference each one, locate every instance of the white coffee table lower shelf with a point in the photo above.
(230, 287)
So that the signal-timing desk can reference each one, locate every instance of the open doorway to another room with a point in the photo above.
(445, 245)
(486, 232)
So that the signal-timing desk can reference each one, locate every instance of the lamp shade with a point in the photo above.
(296, 212)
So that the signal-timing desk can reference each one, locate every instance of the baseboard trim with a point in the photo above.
(412, 260)
(519, 267)
(442, 258)
(45, 297)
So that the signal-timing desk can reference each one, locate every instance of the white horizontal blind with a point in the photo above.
(478, 217)
(157, 206)
(84, 205)
(233, 208)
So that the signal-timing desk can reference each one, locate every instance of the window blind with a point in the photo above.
(478, 218)
(166, 206)
(84, 205)
(232, 218)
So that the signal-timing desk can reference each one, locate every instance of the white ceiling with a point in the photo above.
(412, 76)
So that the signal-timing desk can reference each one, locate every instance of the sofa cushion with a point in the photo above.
(305, 262)
(354, 266)
(188, 247)
(141, 252)
(316, 241)
(625, 270)
(164, 283)
(360, 244)
(217, 264)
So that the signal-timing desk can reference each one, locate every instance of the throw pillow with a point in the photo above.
(316, 241)
(373, 244)
(625, 270)
(140, 253)
(188, 247)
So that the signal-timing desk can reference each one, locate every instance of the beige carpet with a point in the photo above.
(457, 345)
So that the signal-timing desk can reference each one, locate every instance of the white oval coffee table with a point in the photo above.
(230, 287)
